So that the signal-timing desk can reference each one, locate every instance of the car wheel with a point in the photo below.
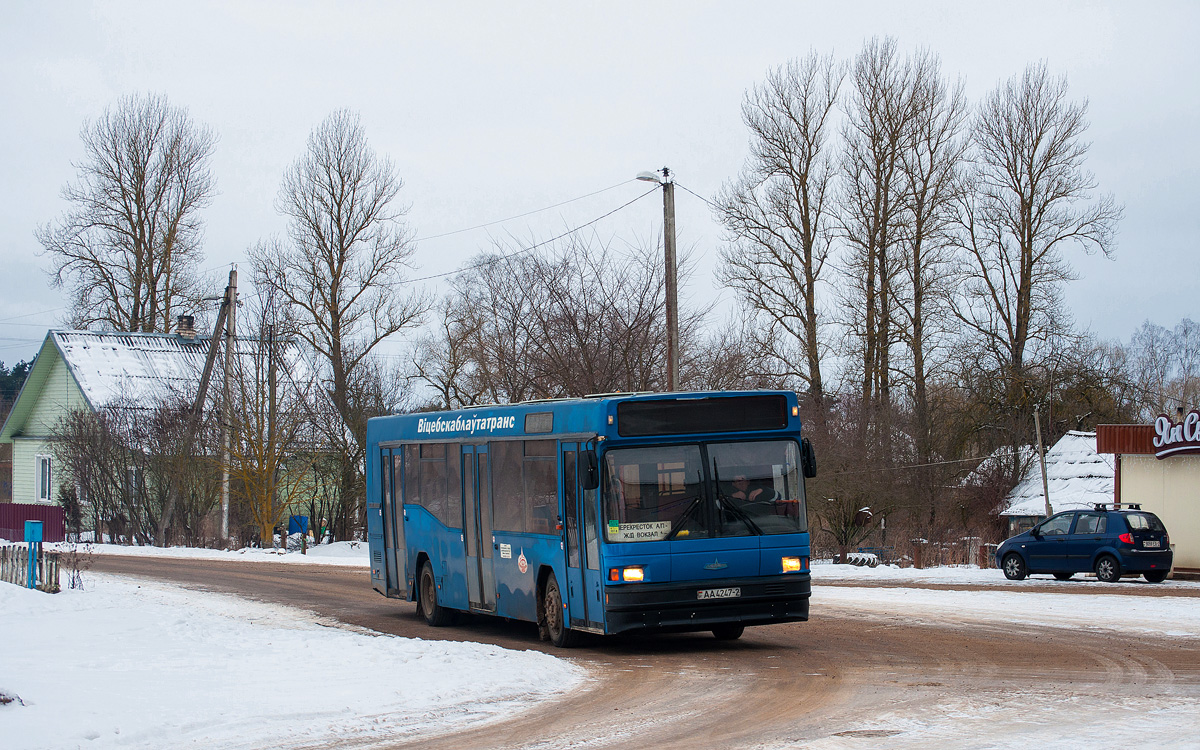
(1063, 576)
(1014, 567)
(1157, 576)
(555, 620)
(1108, 569)
(728, 632)
(434, 613)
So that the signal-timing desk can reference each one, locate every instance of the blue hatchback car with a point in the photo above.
(1109, 540)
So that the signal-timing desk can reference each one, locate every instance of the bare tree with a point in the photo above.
(344, 266)
(1030, 199)
(441, 358)
(930, 163)
(127, 249)
(776, 213)
(879, 128)
(122, 460)
(583, 318)
(1164, 365)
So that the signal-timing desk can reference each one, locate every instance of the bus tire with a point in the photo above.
(435, 614)
(729, 631)
(553, 614)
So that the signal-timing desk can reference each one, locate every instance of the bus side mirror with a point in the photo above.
(808, 458)
(589, 478)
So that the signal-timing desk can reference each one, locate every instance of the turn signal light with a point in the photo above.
(791, 564)
(1126, 537)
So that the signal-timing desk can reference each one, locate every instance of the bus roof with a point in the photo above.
(589, 415)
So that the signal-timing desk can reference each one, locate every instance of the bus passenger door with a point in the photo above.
(394, 553)
(593, 579)
(576, 596)
(477, 528)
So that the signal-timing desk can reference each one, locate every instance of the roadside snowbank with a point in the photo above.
(351, 554)
(971, 575)
(142, 665)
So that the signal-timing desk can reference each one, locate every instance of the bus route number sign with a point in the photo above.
(729, 593)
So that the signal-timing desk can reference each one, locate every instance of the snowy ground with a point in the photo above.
(338, 553)
(1175, 616)
(142, 665)
(134, 664)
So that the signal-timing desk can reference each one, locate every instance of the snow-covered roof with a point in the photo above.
(149, 367)
(138, 367)
(1077, 477)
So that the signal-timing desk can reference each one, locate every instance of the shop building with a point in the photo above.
(1158, 467)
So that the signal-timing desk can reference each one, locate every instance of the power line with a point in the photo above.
(709, 203)
(908, 466)
(498, 258)
(28, 315)
(521, 216)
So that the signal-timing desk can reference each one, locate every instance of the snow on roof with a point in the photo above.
(145, 367)
(135, 366)
(1076, 474)
(995, 462)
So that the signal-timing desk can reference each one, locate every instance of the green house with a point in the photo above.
(87, 369)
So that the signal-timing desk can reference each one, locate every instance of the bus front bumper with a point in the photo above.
(699, 605)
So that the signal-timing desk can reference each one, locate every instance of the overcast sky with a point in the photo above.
(490, 110)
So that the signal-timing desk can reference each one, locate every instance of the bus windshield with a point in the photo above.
(703, 491)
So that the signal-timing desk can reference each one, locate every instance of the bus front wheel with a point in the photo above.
(434, 613)
(728, 631)
(554, 617)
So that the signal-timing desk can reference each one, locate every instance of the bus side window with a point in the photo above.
(441, 483)
(508, 490)
(541, 486)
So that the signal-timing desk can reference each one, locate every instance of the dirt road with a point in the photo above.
(844, 675)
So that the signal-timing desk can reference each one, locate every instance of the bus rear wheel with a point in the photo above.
(728, 632)
(554, 617)
(434, 613)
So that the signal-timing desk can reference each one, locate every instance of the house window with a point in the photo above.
(42, 482)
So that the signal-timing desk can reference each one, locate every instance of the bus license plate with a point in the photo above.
(731, 593)
(1149, 543)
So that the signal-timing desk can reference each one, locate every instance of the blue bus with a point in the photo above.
(605, 514)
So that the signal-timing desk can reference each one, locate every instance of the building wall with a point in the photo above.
(1169, 488)
(59, 395)
(24, 478)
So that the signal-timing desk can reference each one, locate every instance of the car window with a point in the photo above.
(1091, 523)
(1056, 525)
(1144, 522)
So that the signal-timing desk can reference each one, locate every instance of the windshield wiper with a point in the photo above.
(727, 504)
(688, 511)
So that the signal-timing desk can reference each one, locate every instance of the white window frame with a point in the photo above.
(43, 492)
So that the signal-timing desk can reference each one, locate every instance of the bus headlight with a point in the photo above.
(792, 564)
(631, 574)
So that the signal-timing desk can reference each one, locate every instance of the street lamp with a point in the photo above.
(668, 186)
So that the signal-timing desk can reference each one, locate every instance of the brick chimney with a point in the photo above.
(185, 327)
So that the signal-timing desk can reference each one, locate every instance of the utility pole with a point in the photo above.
(272, 458)
(668, 185)
(226, 401)
(1037, 426)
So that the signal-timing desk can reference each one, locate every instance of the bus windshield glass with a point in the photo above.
(703, 491)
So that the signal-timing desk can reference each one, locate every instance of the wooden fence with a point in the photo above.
(14, 567)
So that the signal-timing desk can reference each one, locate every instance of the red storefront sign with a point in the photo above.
(1172, 437)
